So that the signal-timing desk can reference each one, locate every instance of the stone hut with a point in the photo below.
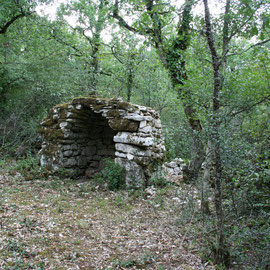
(79, 135)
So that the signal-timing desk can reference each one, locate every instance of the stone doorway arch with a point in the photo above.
(79, 135)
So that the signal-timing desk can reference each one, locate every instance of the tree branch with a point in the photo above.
(252, 46)
(209, 36)
(124, 24)
(251, 106)
(4, 29)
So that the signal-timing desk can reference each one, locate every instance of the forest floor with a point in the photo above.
(64, 224)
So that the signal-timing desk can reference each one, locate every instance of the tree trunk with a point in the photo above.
(206, 179)
(129, 84)
(221, 253)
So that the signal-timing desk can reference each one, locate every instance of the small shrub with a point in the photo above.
(29, 168)
(158, 182)
(158, 179)
(98, 178)
(114, 175)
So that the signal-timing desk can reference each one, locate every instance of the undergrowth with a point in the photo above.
(113, 175)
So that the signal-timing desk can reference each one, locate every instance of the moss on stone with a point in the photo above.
(48, 122)
(114, 113)
(53, 134)
(63, 106)
(126, 106)
(51, 150)
(89, 101)
(123, 125)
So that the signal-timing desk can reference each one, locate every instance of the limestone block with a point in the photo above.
(68, 134)
(94, 164)
(149, 118)
(134, 172)
(74, 146)
(68, 163)
(130, 138)
(68, 153)
(142, 108)
(174, 168)
(160, 148)
(66, 147)
(130, 157)
(147, 129)
(135, 117)
(120, 154)
(71, 120)
(64, 125)
(55, 167)
(158, 123)
(96, 157)
(82, 161)
(143, 124)
(115, 113)
(123, 125)
(76, 152)
(43, 160)
(89, 150)
(131, 149)
(104, 112)
(145, 161)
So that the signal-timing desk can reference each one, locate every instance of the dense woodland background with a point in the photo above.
(206, 73)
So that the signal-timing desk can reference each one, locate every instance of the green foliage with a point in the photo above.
(113, 175)
(29, 168)
(158, 180)
(249, 240)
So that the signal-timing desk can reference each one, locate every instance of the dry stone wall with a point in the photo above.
(79, 135)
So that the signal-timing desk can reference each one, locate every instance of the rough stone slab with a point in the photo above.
(68, 163)
(130, 157)
(82, 161)
(121, 155)
(135, 176)
(68, 153)
(130, 138)
(143, 124)
(158, 123)
(64, 125)
(131, 149)
(96, 157)
(135, 117)
(89, 150)
(123, 125)
(147, 129)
